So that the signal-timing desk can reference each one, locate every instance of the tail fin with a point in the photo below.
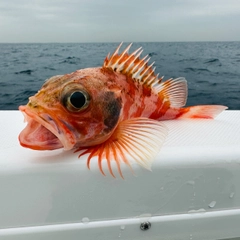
(201, 111)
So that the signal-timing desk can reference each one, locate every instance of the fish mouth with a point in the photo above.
(42, 132)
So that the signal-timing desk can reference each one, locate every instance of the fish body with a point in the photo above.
(112, 112)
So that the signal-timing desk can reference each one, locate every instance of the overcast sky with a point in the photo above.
(119, 20)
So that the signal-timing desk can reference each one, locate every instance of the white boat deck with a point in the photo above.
(193, 191)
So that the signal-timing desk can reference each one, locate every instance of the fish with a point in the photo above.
(113, 113)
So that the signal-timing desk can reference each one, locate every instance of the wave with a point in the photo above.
(49, 68)
(191, 69)
(152, 54)
(188, 60)
(212, 60)
(28, 72)
(23, 95)
(71, 60)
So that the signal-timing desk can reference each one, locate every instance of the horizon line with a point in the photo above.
(187, 41)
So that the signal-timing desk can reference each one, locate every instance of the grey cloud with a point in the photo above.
(105, 20)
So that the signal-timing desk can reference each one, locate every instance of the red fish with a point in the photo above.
(113, 112)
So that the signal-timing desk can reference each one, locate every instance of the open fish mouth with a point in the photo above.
(41, 132)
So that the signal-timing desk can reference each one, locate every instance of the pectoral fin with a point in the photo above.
(137, 139)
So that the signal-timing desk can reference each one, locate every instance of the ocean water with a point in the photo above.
(211, 68)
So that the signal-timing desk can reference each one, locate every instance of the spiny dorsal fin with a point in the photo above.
(173, 90)
(132, 65)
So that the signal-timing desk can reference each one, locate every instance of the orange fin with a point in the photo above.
(201, 111)
(132, 65)
(175, 91)
(138, 139)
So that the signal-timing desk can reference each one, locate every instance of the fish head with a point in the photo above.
(72, 110)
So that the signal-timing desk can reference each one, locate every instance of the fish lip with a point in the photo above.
(49, 126)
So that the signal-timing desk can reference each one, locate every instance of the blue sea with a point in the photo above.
(212, 69)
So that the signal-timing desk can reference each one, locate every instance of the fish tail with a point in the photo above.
(201, 111)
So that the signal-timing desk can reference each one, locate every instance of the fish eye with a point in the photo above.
(76, 100)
